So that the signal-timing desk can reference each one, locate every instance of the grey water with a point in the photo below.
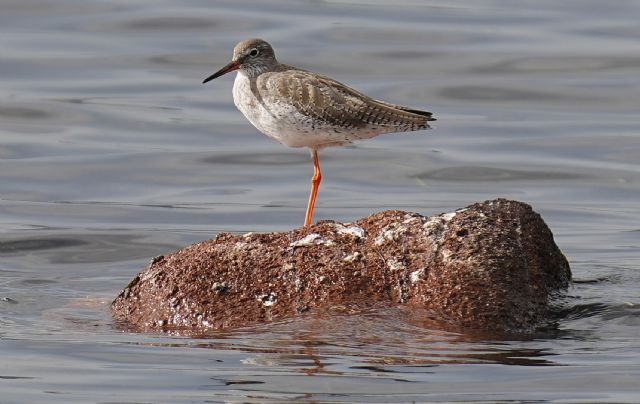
(112, 152)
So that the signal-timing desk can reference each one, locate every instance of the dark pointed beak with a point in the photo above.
(231, 66)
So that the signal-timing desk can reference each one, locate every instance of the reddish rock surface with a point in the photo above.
(492, 266)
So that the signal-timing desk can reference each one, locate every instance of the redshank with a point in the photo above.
(300, 108)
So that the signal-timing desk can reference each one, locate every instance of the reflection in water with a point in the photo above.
(85, 248)
(12, 112)
(259, 159)
(23, 246)
(482, 174)
(559, 64)
(168, 23)
(381, 338)
(503, 94)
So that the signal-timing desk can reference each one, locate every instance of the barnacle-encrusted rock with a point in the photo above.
(492, 266)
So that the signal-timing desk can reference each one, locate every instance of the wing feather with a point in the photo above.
(329, 102)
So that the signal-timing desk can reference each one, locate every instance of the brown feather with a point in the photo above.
(331, 102)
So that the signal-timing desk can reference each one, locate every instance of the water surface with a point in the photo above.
(112, 152)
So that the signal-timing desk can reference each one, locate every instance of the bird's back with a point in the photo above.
(302, 108)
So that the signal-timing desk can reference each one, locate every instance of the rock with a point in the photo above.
(490, 266)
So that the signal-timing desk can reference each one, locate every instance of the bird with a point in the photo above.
(301, 108)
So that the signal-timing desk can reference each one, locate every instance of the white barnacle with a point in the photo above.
(355, 256)
(410, 218)
(311, 239)
(434, 224)
(395, 264)
(446, 254)
(354, 231)
(448, 216)
(267, 299)
(416, 275)
(306, 241)
(220, 287)
(391, 232)
(326, 242)
(239, 245)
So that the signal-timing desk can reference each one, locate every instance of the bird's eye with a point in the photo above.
(254, 52)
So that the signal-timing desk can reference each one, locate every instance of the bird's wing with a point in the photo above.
(331, 102)
(426, 114)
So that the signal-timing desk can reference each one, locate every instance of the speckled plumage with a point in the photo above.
(300, 108)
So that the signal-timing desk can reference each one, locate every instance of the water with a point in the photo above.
(112, 152)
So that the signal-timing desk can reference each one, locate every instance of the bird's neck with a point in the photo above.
(254, 70)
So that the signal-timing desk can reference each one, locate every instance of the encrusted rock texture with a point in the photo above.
(490, 266)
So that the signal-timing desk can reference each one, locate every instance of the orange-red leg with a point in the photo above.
(315, 184)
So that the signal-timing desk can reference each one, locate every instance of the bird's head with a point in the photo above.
(252, 56)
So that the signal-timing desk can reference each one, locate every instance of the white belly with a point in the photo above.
(282, 121)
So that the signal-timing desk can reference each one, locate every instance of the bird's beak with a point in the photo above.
(231, 66)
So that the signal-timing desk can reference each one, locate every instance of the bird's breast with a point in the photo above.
(254, 107)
